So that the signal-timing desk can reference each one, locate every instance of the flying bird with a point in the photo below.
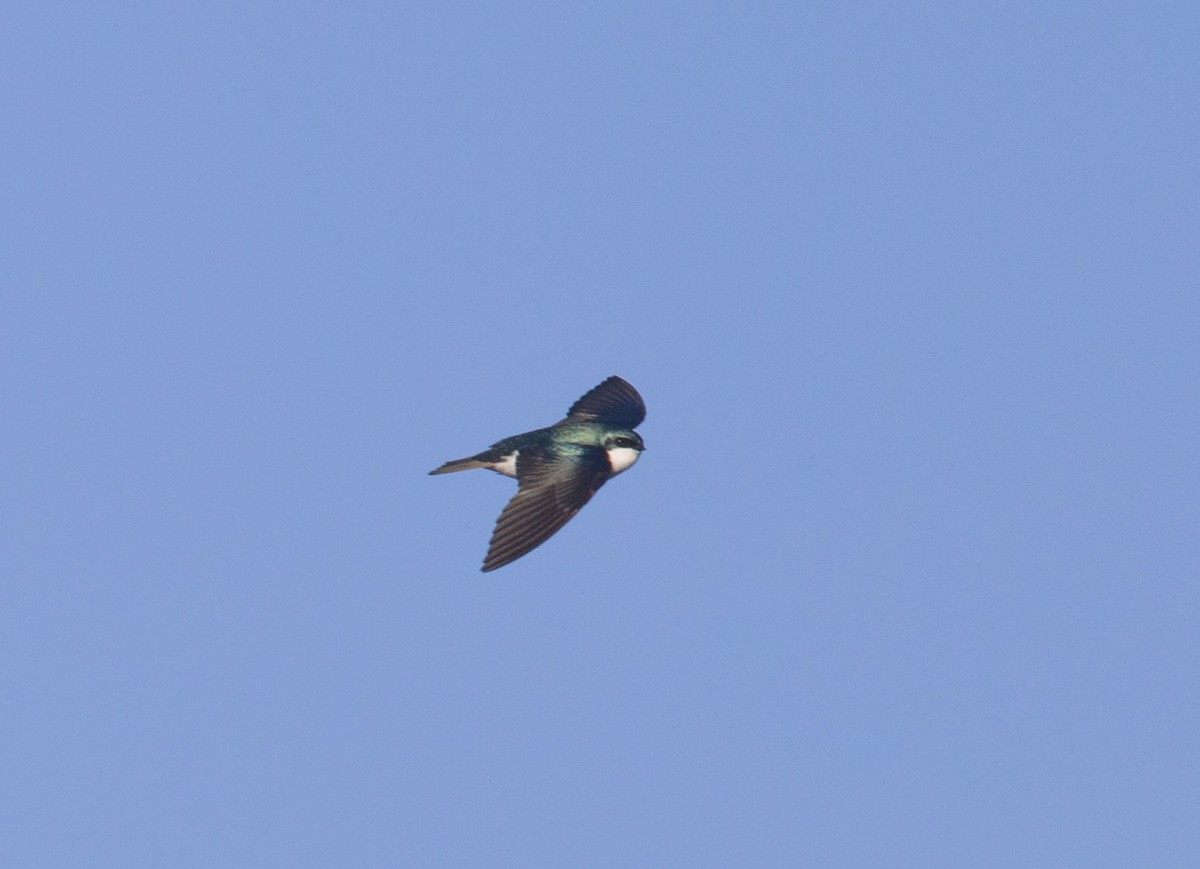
(559, 468)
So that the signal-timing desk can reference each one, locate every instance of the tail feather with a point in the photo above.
(468, 464)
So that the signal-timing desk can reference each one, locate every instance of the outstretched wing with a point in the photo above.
(614, 402)
(553, 488)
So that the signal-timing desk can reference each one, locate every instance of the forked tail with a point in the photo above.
(459, 465)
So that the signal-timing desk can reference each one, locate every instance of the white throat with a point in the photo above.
(621, 458)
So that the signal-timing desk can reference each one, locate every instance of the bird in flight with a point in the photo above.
(559, 468)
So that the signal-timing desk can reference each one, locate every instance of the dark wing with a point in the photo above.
(614, 402)
(553, 488)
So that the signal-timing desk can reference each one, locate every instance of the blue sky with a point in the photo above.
(906, 577)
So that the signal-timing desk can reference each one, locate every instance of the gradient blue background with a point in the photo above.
(907, 576)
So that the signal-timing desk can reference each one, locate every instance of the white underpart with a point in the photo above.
(621, 458)
(507, 465)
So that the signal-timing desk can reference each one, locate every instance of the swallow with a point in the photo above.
(559, 468)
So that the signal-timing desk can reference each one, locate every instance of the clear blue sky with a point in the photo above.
(907, 576)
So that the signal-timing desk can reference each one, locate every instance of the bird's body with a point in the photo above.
(560, 467)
